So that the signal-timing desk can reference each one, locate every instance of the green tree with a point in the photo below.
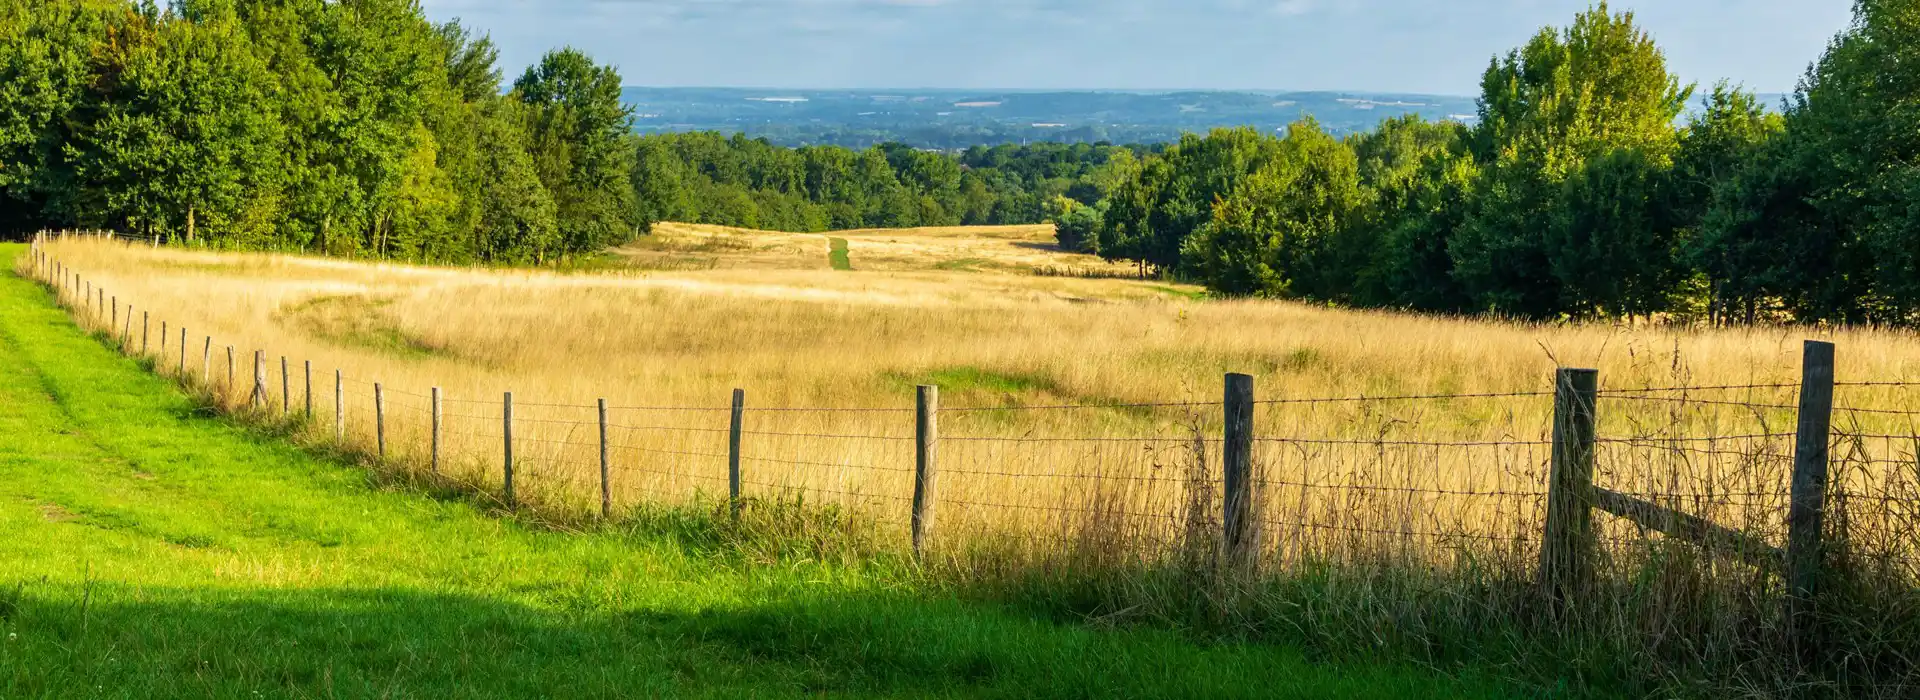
(1274, 234)
(579, 126)
(1567, 97)
(180, 136)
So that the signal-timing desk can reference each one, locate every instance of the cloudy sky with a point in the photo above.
(1428, 46)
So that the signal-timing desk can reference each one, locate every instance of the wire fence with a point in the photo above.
(1442, 477)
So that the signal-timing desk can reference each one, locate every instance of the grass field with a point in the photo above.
(1080, 429)
(156, 550)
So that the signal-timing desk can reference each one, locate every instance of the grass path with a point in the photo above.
(838, 255)
(149, 550)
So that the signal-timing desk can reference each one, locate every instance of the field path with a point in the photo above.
(149, 550)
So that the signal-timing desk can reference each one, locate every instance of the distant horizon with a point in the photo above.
(1406, 47)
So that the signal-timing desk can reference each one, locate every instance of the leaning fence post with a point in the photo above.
(926, 469)
(206, 362)
(1566, 553)
(733, 450)
(126, 333)
(433, 463)
(286, 389)
(1806, 513)
(339, 408)
(227, 394)
(1237, 453)
(380, 421)
(506, 432)
(606, 485)
(146, 330)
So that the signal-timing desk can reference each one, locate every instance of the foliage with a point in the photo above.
(349, 128)
(1576, 194)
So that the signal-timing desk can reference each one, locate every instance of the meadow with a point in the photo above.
(157, 549)
(1079, 417)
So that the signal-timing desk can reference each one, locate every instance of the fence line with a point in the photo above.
(1547, 492)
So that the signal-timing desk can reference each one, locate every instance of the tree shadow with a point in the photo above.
(116, 640)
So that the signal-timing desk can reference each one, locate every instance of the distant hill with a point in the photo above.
(952, 119)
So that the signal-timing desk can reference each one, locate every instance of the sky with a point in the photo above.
(1416, 46)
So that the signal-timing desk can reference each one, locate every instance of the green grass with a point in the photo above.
(152, 549)
(837, 255)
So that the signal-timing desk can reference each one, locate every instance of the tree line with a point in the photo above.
(358, 127)
(1587, 188)
(704, 177)
(347, 127)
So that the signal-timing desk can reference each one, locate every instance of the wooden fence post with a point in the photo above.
(380, 421)
(228, 392)
(126, 333)
(259, 395)
(433, 464)
(339, 408)
(606, 482)
(114, 323)
(1566, 552)
(163, 345)
(307, 372)
(1237, 459)
(146, 330)
(1806, 512)
(286, 389)
(506, 431)
(926, 465)
(733, 450)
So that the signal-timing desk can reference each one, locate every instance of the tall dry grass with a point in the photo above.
(1080, 426)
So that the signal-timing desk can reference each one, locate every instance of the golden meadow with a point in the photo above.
(1060, 395)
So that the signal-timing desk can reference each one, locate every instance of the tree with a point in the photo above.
(1565, 98)
(1273, 236)
(180, 134)
(1722, 144)
(578, 128)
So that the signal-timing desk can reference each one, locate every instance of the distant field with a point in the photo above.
(1017, 250)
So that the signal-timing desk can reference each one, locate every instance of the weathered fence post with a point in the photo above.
(286, 389)
(1806, 513)
(339, 408)
(926, 465)
(146, 330)
(433, 463)
(307, 372)
(380, 421)
(506, 431)
(733, 450)
(115, 322)
(162, 357)
(1237, 455)
(1566, 552)
(259, 396)
(227, 393)
(606, 482)
(126, 333)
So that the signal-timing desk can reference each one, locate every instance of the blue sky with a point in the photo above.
(1429, 46)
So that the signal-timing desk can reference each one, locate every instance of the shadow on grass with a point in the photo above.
(120, 641)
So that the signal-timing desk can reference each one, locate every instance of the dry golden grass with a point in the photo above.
(1001, 346)
(1006, 249)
